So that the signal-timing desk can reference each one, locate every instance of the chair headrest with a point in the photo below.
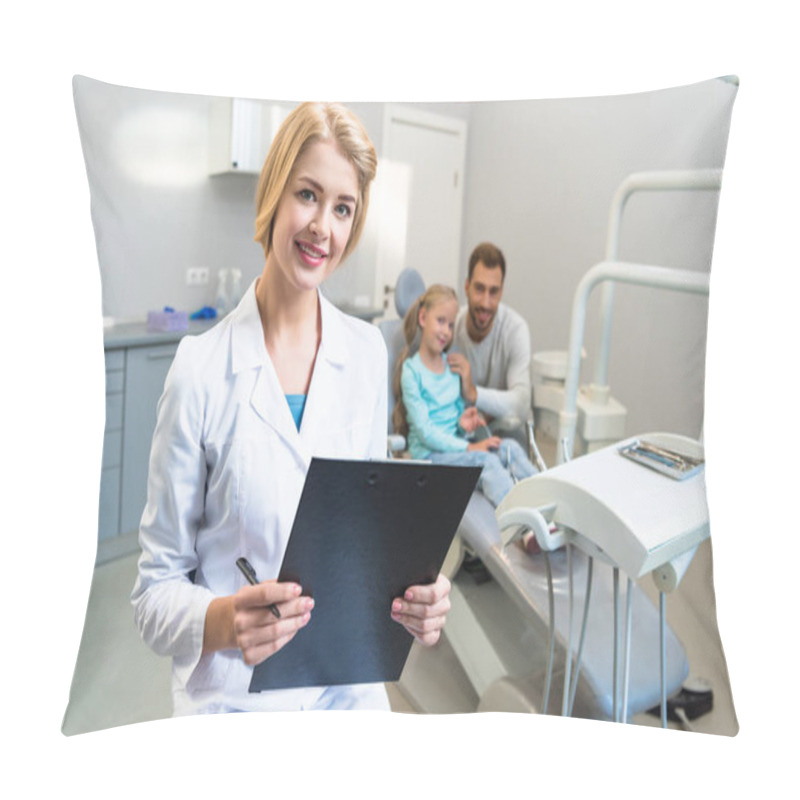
(408, 288)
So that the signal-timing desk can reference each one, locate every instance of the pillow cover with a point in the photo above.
(172, 180)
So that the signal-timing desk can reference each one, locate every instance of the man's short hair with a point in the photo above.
(489, 255)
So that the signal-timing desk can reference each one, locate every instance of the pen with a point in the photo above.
(247, 570)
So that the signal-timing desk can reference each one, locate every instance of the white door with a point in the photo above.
(420, 186)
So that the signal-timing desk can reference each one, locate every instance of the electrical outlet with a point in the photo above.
(197, 276)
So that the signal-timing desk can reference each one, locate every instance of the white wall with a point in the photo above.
(540, 179)
(155, 210)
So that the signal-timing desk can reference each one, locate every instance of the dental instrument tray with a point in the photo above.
(663, 459)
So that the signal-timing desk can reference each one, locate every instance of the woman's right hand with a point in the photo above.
(259, 633)
(489, 443)
(244, 620)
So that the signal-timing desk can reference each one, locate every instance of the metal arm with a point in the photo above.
(621, 272)
(670, 180)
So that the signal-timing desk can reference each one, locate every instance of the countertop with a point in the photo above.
(135, 333)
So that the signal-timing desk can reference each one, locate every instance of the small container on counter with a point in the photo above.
(167, 320)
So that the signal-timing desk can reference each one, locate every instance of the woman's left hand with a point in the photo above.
(423, 609)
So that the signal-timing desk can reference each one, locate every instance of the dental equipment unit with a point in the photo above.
(595, 516)
(633, 517)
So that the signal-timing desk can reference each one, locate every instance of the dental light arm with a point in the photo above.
(621, 272)
(667, 180)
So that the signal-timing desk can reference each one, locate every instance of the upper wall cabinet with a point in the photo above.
(241, 132)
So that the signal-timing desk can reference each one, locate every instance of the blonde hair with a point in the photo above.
(305, 125)
(413, 336)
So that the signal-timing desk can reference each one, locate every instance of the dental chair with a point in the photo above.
(522, 664)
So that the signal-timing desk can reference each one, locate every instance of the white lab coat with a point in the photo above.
(227, 468)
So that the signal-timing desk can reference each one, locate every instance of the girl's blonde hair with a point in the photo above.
(413, 336)
(305, 125)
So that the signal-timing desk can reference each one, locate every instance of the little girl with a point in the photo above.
(430, 410)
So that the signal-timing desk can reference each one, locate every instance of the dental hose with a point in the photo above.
(570, 687)
(616, 644)
(578, 658)
(536, 457)
(568, 659)
(662, 609)
(552, 648)
(621, 708)
(571, 681)
(626, 672)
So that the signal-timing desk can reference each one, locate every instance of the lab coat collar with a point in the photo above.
(247, 336)
(249, 350)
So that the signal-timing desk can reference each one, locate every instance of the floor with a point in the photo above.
(118, 681)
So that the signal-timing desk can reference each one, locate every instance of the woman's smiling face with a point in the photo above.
(314, 216)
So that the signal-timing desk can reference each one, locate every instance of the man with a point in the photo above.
(492, 347)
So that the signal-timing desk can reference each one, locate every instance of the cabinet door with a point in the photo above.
(240, 133)
(145, 373)
(108, 515)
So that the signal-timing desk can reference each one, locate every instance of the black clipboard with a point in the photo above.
(364, 531)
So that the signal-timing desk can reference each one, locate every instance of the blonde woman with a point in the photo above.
(430, 410)
(282, 378)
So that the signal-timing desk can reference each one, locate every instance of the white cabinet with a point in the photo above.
(134, 382)
(110, 476)
(240, 134)
(145, 372)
